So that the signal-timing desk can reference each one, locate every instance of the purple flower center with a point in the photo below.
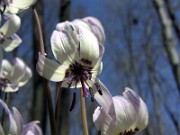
(130, 132)
(79, 73)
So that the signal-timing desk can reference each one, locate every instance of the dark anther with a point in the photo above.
(91, 93)
(73, 102)
(98, 88)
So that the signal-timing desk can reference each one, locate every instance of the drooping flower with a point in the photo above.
(8, 39)
(127, 116)
(13, 76)
(78, 56)
(15, 6)
(16, 126)
(94, 25)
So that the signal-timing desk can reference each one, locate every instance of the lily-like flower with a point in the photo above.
(127, 116)
(94, 25)
(13, 76)
(16, 126)
(15, 6)
(78, 56)
(8, 39)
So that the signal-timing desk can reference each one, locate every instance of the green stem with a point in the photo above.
(83, 113)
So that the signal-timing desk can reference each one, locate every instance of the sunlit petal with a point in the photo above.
(22, 4)
(63, 46)
(11, 26)
(9, 44)
(18, 70)
(89, 47)
(26, 76)
(6, 69)
(11, 88)
(96, 28)
(50, 70)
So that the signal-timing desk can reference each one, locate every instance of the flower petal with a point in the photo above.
(11, 25)
(6, 69)
(32, 129)
(19, 121)
(101, 119)
(12, 122)
(63, 46)
(49, 69)
(96, 28)
(1, 58)
(10, 44)
(11, 88)
(18, 70)
(22, 4)
(140, 107)
(26, 77)
(104, 100)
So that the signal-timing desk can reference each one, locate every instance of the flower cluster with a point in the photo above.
(17, 74)
(78, 47)
(16, 126)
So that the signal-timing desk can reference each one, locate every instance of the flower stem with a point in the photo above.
(58, 97)
(46, 82)
(83, 113)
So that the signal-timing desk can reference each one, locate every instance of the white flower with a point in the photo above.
(13, 76)
(8, 39)
(15, 6)
(78, 56)
(127, 115)
(94, 25)
(16, 126)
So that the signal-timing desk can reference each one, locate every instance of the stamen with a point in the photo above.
(98, 88)
(85, 93)
(91, 93)
(73, 102)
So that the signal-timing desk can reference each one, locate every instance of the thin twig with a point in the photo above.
(46, 82)
(83, 113)
(58, 97)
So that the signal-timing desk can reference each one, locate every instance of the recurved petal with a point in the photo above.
(96, 27)
(63, 46)
(11, 43)
(22, 4)
(11, 88)
(12, 122)
(140, 107)
(104, 100)
(125, 114)
(26, 77)
(19, 121)
(32, 129)
(102, 120)
(18, 70)
(50, 70)
(6, 68)
(11, 25)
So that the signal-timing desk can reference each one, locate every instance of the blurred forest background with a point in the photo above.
(142, 51)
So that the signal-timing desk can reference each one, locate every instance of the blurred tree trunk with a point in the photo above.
(38, 103)
(133, 66)
(154, 87)
(64, 124)
(171, 13)
(169, 40)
